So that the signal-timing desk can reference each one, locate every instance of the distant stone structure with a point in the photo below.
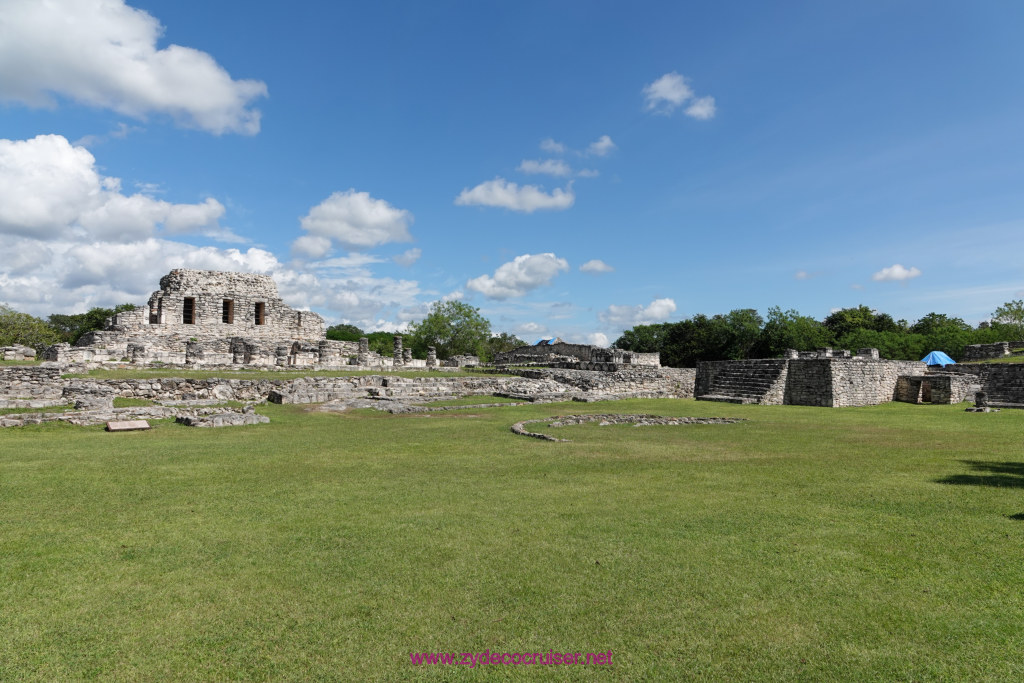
(576, 356)
(975, 352)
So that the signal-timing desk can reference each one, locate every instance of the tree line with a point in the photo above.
(452, 327)
(743, 333)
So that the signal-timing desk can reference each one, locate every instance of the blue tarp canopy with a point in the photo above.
(938, 358)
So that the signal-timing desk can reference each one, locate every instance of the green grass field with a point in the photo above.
(813, 544)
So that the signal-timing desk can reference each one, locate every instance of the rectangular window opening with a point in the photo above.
(260, 320)
(188, 311)
(228, 313)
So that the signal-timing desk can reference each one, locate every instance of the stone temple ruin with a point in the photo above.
(837, 378)
(212, 318)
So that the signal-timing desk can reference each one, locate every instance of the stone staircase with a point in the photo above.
(751, 381)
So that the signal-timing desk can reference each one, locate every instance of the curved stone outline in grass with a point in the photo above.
(616, 418)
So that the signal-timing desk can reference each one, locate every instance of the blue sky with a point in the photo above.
(570, 168)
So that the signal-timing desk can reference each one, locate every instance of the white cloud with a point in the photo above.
(598, 339)
(408, 257)
(531, 328)
(312, 246)
(555, 167)
(667, 93)
(104, 53)
(588, 173)
(895, 273)
(519, 276)
(354, 220)
(703, 108)
(622, 317)
(51, 189)
(802, 275)
(528, 198)
(596, 266)
(549, 145)
(601, 147)
(671, 91)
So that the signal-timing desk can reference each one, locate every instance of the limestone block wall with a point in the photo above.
(975, 352)
(642, 382)
(29, 382)
(809, 383)
(545, 383)
(17, 352)
(584, 353)
(858, 382)
(1003, 382)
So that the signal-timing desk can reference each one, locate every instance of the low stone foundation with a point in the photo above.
(606, 419)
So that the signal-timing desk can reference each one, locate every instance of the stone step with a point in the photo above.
(727, 399)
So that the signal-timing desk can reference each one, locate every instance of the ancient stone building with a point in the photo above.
(576, 356)
(824, 378)
(203, 317)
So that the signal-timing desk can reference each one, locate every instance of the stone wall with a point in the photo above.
(865, 383)
(19, 382)
(1003, 382)
(975, 352)
(822, 380)
(641, 382)
(17, 352)
(582, 353)
(540, 383)
(941, 388)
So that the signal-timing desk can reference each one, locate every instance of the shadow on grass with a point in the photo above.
(1000, 474)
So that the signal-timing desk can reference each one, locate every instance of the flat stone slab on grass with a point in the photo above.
(127, 425)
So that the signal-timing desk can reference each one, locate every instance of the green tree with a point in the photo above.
(720, 337)
(744, 325)
(25, 330)
(892, 345)
(941, 333)
(453, 328)
(644, 338)
(789, 330)
(500, 343)
(381, 343)
(1009, 319)
(846, 320)
(72, 327)
(344, 332)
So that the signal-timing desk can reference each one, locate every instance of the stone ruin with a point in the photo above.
(213, 318)
(975, 352)
(826, 377)
(576, 357)
(17, 353)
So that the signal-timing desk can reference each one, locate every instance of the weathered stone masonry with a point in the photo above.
(827, 380)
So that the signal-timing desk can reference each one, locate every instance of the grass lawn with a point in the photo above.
(879, 543)
(1015, 357)
(470, 401)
